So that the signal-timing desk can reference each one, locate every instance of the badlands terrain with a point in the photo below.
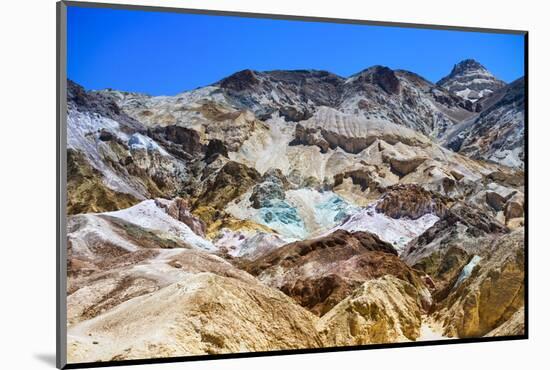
(294, 209)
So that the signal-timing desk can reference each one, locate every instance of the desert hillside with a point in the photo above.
(294, 209)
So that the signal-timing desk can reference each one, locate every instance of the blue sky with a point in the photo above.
(167, 53)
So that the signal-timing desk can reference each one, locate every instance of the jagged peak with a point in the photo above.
(248, 78)
(467, 67)
(379, 75)
(471, 80)
(240, 80)
(467, 64)
(377, 68)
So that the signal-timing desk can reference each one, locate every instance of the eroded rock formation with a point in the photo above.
(295, 209)
(321, 272)
(384, 310)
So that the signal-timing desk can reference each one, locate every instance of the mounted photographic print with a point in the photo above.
(235, 184)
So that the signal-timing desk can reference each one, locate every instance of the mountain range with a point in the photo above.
(295, 209)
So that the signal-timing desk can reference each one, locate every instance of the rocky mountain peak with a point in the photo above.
(467, 65)
(101, 104)
(470, 80)
(378, 75)
(294, 94)
(241, 80)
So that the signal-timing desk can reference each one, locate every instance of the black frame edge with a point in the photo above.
(526, 185)
(61, 185)
(61, 119)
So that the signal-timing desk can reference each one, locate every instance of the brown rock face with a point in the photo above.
(201, 314)
(384, 310)
(491, 294)
(403, 167)
(365, 178)
(105, 135)
(215, 147)
(387, 80)
(301, 90)
(349, 144)
(410, 201)
(242, 80)
(320, 273)
(340, 243)
(445, 268)
(513, 210)
(508, 177)
(514, 207)
(478, 222)
(309, 136)
(179, 209)
(381, 76)
(495, 200)
(326, 139)
(443, 250)
(186, 139)
(86, 191)
(231, 181)
(515, 325)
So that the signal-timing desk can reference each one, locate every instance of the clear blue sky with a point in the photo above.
(167, 53)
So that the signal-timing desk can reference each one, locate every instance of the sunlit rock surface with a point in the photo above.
(295, 209)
